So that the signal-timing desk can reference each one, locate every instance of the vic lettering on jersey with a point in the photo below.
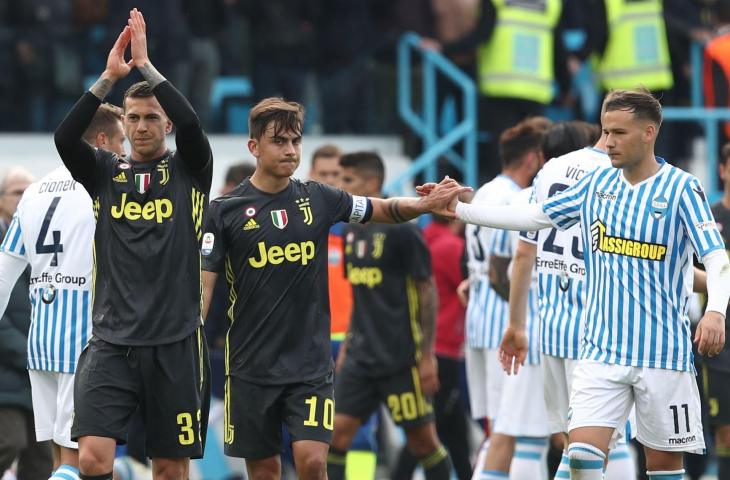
(159, 210)
(301, 252)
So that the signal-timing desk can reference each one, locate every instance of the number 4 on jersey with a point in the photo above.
(56, 247)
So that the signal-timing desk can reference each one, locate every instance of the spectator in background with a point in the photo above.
(283, 45)
(48, 67)
(516, 66)
(392, 18)
(445, 241)
(7, 66)
(205, 21)
(17, 441)
(716, 71)
(346, 39)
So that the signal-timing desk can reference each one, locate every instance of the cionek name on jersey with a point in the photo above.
(58, 278)
(624, 246)
(301, 252)
(159, 209)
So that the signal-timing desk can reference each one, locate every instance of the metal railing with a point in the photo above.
(424, 123)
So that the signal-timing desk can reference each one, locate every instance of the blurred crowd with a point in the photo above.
(336, 56)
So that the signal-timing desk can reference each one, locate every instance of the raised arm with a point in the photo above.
(76, 154)
(192, 143)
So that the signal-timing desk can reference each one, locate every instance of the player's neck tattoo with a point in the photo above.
(151, 74)
(394, 211)
(101, 88)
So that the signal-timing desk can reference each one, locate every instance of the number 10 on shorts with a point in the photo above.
(328, 415)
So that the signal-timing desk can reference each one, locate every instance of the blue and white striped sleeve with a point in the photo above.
(563, 208)
(13, 243)
(694, 210)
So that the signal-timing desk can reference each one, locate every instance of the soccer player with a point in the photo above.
(716, 369)
(641, 222)
(561, 272)
(148, 349)
(486, 312)
(269, 236)
(52, 230)
(388, 355)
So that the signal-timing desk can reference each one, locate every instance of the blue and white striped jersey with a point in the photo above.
(638, 242)
(505, 245)
(560, 265)
(487, 312)
(53, 230)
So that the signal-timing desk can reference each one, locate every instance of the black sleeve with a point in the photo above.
(214, 246)
(192, 143)
(78, 156)
(343, 207)
(481, 33)
(414, 251)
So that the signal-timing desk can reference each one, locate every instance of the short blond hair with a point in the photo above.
(285, 116)
(106, 116)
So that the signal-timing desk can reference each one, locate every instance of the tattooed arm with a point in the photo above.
(403, 209)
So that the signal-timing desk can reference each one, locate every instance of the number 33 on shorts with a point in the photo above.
(187, 430)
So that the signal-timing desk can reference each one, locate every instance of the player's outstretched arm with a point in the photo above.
(403, 209)
(427, 306)
(77, 155)
(514, 345)
(11, 268)
(192, 143)
(710, 335)
(209, 279)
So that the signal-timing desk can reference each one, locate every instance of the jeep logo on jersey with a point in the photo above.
(301, 252)
(279, 218)
(659, 207)
(141, 182)
(369, 276)
(159, 209)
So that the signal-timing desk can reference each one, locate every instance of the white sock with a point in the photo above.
(666, 475)
(481, 458)
(586, 461)
(528, 462)
(493, 475)
(620, 463)
(564, 468)
(65, 472)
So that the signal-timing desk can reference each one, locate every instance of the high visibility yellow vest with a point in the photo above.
(517, 61)
(636, 53)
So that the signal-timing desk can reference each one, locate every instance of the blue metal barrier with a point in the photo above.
(710, 119)
(425, 123)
